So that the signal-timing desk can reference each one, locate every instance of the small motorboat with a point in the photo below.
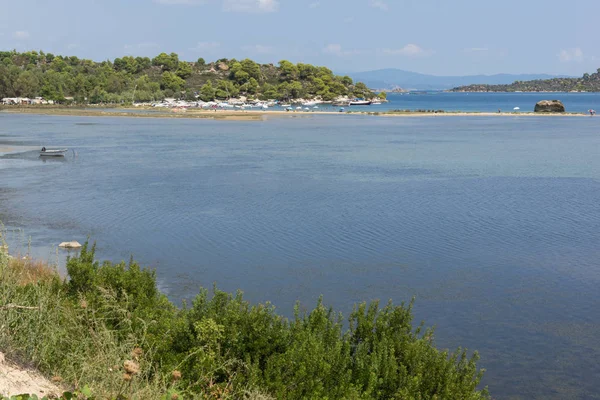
(360, 103)
(53, 152)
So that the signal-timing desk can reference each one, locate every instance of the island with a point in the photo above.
(587, 83)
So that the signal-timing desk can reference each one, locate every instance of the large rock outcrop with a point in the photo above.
(549, 106)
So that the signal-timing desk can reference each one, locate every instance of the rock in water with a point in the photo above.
(70, 245)
(550, 106)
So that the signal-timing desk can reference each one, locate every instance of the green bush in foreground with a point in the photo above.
(108, 329)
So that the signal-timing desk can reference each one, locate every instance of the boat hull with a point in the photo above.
(53, 153)
(360, 103)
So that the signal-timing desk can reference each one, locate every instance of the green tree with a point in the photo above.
(225, 90)
(126, 64)
(268, 92)
(170, 81)
(251, 68)
(143, 63)
(168, 62)
(287, 70)
(250, 87)
(207, 92)
(27, 85)
(200, 62)
(296, 89)
(238, 74)
(184, 70)
(283, 91)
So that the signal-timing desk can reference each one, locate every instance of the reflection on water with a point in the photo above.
(61, 159)
(492, 223)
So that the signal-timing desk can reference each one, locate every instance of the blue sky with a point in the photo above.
(429, 36)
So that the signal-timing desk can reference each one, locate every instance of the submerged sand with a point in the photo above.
(258, 115)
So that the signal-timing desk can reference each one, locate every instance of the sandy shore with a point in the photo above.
(16, 379)
(243, 115)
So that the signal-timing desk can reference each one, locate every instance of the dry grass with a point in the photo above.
(26, 271)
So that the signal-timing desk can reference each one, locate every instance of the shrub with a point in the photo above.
(110, 328)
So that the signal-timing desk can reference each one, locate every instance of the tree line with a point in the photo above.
(142, 79)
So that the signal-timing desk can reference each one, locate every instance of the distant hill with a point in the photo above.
(391, 78)
(587, 83)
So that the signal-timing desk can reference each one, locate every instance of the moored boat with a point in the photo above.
(360, 103)
(53, 153)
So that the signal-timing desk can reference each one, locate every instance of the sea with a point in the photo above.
(489, 223)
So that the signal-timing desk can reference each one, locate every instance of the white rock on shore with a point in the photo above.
(70, 245)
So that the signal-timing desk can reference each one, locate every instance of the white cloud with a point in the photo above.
(258, 49)
(21, 35)
(146, 45)
(337, 50)
(259, 6)
(476, 49)
(206, 46)
(314, 4)
(567, 55)
(256, 6)
(410, 50)
(176, 2)
(378, 4)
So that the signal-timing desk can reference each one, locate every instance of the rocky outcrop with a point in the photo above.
(549, 106)
(70, 245)
(223, 67)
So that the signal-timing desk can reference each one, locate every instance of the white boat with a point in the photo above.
(360, 103)
(53, 153)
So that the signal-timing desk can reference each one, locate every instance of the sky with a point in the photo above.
(440, 37)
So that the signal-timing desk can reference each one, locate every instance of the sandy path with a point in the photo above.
(15, 380)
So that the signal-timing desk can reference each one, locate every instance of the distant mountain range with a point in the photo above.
(393, 78)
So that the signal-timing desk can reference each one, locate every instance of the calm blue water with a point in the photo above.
(488, 102)
(477, 102)
(492, 223)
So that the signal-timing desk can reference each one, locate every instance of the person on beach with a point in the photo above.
(499, 111)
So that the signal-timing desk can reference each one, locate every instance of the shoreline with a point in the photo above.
(243, 115)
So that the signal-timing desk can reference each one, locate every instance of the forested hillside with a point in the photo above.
(587, 83)
(141, 79)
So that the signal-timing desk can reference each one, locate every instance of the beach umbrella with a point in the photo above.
(516, 108)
